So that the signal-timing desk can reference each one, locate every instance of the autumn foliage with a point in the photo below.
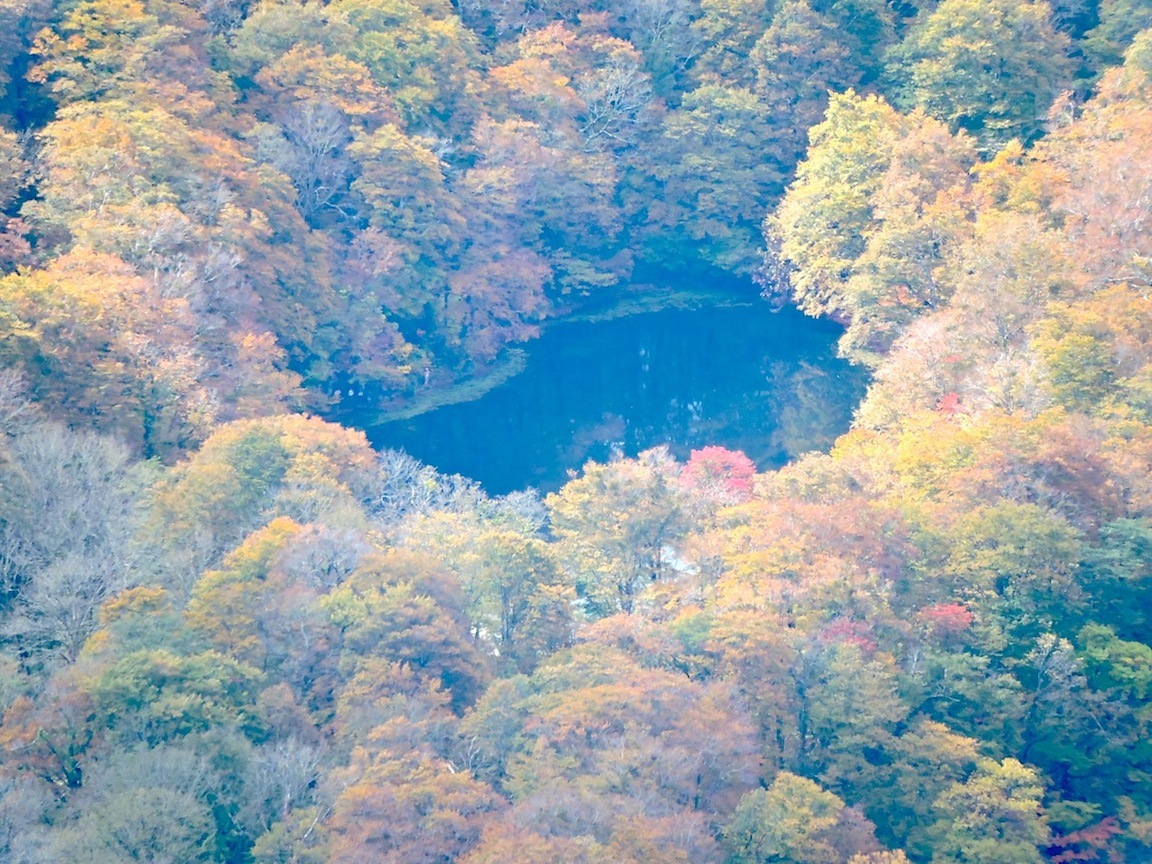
(231, 632)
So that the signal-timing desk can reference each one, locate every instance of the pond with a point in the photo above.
(742, 376)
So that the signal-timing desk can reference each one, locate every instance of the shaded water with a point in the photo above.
(743, 377)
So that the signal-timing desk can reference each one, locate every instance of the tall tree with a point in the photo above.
(993, 817)
(613, 524)
(822, 225)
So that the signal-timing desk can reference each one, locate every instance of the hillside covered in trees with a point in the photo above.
(231, 632)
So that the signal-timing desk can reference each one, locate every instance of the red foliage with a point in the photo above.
(1087, 844)
(949, 404)
(946, 619)
(723, 474)
(846, 630)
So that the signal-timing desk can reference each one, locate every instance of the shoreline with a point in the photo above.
(513, 360)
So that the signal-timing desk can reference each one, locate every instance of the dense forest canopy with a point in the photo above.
(232, 632)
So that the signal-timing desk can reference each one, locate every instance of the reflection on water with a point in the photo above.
(742, 377)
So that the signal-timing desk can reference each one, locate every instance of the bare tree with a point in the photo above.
(69, 509)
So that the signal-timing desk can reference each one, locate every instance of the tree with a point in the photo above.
(502, 842)
(422, 54)
(921, 215)
(798, 61)
(750, 648)
(124, 48)
(247, 473)
(1094, 351)
(663, 33)
(608, 729)
(1121, 669)
(613, 524)
(727, 30)
(850, 714)
(49, 734)
(157, 696)
(1077, 345)
(298, 839)
(813, 48)
(402, 181)
(271, 30)
(517, 599)
(536, 187)
(158, 826)
(927, 759)
(993, 817)
(719, 476)
(972, 694)
(137, 619)
(1098, 204)
(1019, 564)
(793, 820)
(992, 69)
(593, 741)
(395, 706)
(182, 203)
(317, 100)
(256, 610)
(718, 176)
(406, 808)
(24, 806)
(823, 222)
(69, 507)
(496, 297)
(102, 347)
(278, 782)
(17, 176)
(404, 607)
(20, 21)
(1117, 576)
(869, 228)
(587, 88)
(1118, 23)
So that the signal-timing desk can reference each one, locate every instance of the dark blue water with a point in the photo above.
(744, 377)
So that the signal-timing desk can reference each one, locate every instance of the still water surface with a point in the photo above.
(744, 377)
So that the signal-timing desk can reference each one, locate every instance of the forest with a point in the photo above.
(232, 632)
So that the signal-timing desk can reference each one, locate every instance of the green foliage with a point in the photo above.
(720, 176)
(157, 696)
(105, 48)
(421, 53)
(852, 709)
(1117, 575)
(869, 228)
(1116, 665)
(156, 825)
(992, 69)
(728, 29)
(994, 817)
(821, 226)
(249, 472)
(613, 524)
(1018, 562)
(1119, 22)
(402, 181)
(791, 820)
(516, 597)
(809, 51)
